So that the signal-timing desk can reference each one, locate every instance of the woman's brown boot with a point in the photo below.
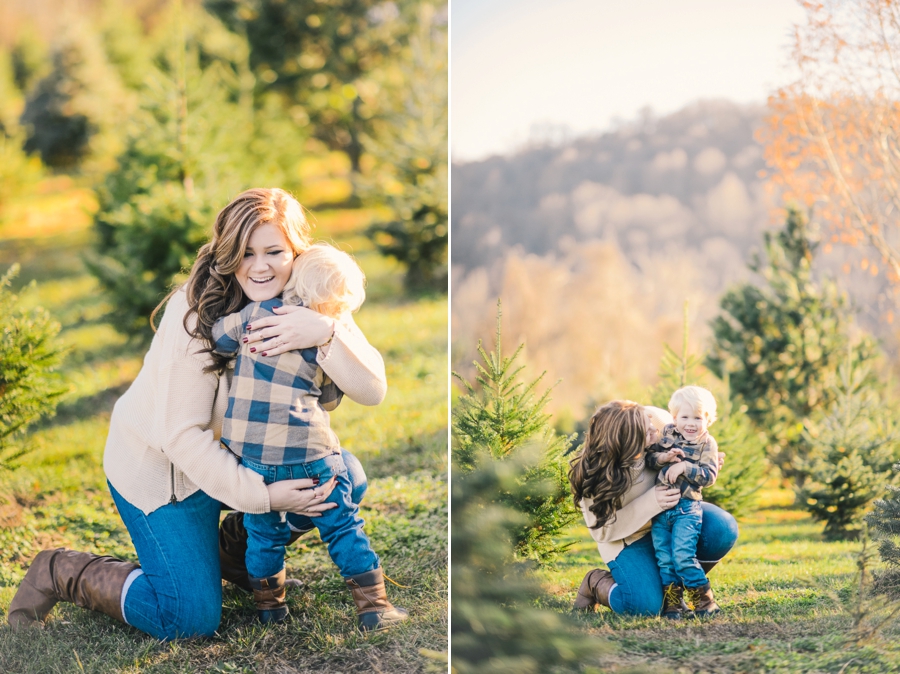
(233, 547)
(594, 590)
(673, 604)
(80, 578)
(373, 610)
(703, 601)
(268, 593)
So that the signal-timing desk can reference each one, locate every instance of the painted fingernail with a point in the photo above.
(253, 349)
(315, 481)
(263, 354)
(249, 327)
(278, 307)
(245, 340)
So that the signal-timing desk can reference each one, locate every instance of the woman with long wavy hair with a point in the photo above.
(166, 470)
(618, 497)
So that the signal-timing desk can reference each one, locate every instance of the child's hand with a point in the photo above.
(672, 472)
(674, 455)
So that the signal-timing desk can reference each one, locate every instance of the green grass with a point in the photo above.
(788, 600)
(58, 497)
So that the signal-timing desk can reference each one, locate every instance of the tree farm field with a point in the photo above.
(790, 603)
(58, 496)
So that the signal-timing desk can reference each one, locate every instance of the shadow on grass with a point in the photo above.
(70, 412)
(428, 453)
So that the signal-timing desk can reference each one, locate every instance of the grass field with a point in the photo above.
(788, 600)
(58, 497)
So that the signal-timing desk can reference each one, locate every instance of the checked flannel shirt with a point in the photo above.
(277, 406)
(702, 457)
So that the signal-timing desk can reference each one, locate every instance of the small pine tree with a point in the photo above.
(19, 173)
(884, 523)
(852, 447)
(409, 143)
(74, 111)
(495, 625)
(781, 343)
(502, 417)
(744, 471)
(30, 387)
(193, 145)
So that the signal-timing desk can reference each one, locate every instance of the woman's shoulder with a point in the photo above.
(172, 335)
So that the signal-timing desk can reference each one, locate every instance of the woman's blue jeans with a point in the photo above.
(638, 588)
(179, 593)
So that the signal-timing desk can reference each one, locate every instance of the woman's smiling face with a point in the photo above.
(266, 266)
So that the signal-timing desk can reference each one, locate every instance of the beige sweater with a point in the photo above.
(639, 506)
(164, 432)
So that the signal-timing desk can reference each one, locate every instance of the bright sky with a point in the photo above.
(581, 63)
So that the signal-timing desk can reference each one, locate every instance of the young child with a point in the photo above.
(687, 456)
(277, 423)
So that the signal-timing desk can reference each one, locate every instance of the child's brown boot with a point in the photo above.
(673, 604)
(268, 593)
(373, 610)
(703, 601)
(594, 590)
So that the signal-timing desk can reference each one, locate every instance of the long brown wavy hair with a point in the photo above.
(613, 445)
(212, 289)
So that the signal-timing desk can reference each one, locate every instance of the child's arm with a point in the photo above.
(659, 458)
(700, 474)
(228, 330)
(331, 395)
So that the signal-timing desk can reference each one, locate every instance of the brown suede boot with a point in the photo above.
(594, 590)
(268, 593)
(232, 548)
(673, 602)
(80, 578)
(373, 610)
(703, 601)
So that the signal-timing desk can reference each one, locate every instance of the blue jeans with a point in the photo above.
(179, 593)
(341, 528)
(639, 587)
(675, 533)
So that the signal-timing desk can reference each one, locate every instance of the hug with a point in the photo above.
(638, 482)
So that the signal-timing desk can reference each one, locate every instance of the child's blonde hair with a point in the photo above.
(697, 398)
(326, 280)
(658, 417)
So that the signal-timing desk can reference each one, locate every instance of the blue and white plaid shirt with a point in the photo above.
(277, 406)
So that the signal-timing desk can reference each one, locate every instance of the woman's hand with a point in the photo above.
(303, 497)
(293, 328)
(667, 497)
(721, 460)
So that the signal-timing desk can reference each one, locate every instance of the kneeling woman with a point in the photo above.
(618, 498)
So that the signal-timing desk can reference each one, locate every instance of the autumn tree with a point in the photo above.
(833, 136)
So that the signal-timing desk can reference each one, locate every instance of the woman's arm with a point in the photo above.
(633, 515)
(344, 353)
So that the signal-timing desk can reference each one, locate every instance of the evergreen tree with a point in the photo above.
(195, 143)
(780, 344)
(495, 625)
(30, 387)
(503, 416)
(852, 447)
(744, 471)
(409, 143)
(73, 112)
(30, 59)
(18, 172)
(320, 57)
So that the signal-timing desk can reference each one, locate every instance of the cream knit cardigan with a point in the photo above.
(639, 506)
(163, 442)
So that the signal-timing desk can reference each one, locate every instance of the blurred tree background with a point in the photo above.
(165, 110)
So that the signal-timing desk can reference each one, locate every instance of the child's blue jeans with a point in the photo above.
(675, 533)
(341, 528)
